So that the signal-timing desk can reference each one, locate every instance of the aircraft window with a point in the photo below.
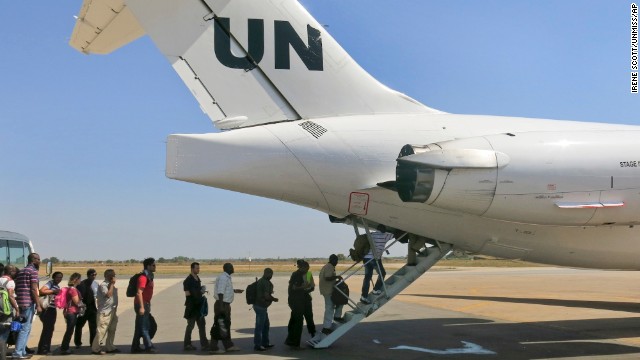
(17, 256)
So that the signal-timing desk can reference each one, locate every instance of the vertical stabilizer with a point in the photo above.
(254, 62)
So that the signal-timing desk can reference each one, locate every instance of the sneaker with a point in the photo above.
(326, 331)
(22, 357)
(234, 348)
(340, 320)
(259, 348)
(376, 292)
(189, 347)
(150, 350)
(364, 300)
(65, 352)
(269, 346)
(29, 350)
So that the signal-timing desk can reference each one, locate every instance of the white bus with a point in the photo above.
(14, 249)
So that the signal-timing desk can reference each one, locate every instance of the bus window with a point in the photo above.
(17, 255)
(4, 252)
(27, 251)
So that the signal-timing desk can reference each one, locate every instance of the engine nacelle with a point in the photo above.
(554, 178)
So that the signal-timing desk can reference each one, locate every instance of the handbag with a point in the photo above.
(45, 301)
(82, 308)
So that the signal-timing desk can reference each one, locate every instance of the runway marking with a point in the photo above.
(468, 348)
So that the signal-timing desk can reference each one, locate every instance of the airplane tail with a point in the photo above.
(247, 62)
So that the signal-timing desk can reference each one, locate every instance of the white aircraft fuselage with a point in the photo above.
(550, 164)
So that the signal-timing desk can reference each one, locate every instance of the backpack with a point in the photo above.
(252, 292)
(61, 298)
(5, 304)
(132, 288)
(337, 298)
(360, 248)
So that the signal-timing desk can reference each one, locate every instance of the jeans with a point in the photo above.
(368, 274)
(202, 330)
(48, 318)
(143, 324)
(71, 324)
(331, 311)
(23, 335)
(261, 332)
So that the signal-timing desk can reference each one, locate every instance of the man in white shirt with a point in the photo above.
(107, 318)
(380, 239)
(223, 294)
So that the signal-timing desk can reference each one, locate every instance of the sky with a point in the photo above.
(82, 138)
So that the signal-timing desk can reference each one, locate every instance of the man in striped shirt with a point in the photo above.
(373, 260)
(27, 297)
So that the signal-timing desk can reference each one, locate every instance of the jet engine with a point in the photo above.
(553, 178)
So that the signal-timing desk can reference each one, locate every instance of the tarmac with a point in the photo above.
(455, 313)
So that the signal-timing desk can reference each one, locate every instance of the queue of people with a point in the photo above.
(95, 303)
(28, 301)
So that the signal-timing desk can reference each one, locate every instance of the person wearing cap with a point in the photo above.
(327, 281)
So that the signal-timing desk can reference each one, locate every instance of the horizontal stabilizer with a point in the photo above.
(103, 26)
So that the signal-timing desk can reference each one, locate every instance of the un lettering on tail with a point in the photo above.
(246, 62)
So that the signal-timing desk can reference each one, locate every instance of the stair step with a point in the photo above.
(394, 284)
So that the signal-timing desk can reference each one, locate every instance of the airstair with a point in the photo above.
(393, 285)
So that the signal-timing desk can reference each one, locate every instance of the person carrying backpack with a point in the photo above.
(264, 298)
(71, 312)
(142, 308)
(6, 282)
(49, 315)
(373, 261)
